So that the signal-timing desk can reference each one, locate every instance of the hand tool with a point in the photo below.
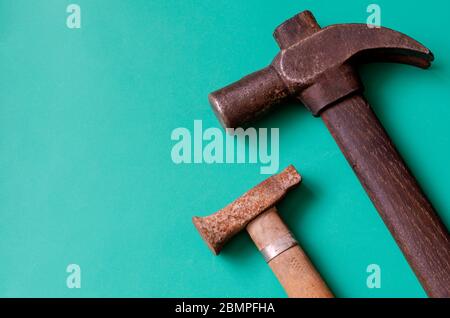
(317, 66)
(256, 211)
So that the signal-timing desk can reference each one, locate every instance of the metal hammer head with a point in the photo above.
(314, 65)
(221, 226)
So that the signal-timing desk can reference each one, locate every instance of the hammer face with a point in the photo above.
(238, 104)
(221, 226)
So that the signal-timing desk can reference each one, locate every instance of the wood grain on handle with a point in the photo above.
(293, 268)
(406, 211)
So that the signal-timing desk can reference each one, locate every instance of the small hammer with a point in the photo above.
(256, 211)
(317, 66)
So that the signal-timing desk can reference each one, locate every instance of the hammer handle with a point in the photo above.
(410, 217)
(294, 270)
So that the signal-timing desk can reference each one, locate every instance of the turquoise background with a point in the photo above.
(86, 175)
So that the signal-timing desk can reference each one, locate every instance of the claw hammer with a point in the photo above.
(317, 66)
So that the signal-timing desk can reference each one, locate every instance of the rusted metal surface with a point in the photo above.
(317, 66)
(314, 65)
(219, 227)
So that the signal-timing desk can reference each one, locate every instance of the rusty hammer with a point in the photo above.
(317, 67)
(256, 211)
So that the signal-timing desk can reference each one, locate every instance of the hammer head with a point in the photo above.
(218, 228)
(314, 65)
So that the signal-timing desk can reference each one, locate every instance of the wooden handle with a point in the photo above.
(408, 214)
(292, 267)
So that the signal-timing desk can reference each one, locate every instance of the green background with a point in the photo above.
(86, 175)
